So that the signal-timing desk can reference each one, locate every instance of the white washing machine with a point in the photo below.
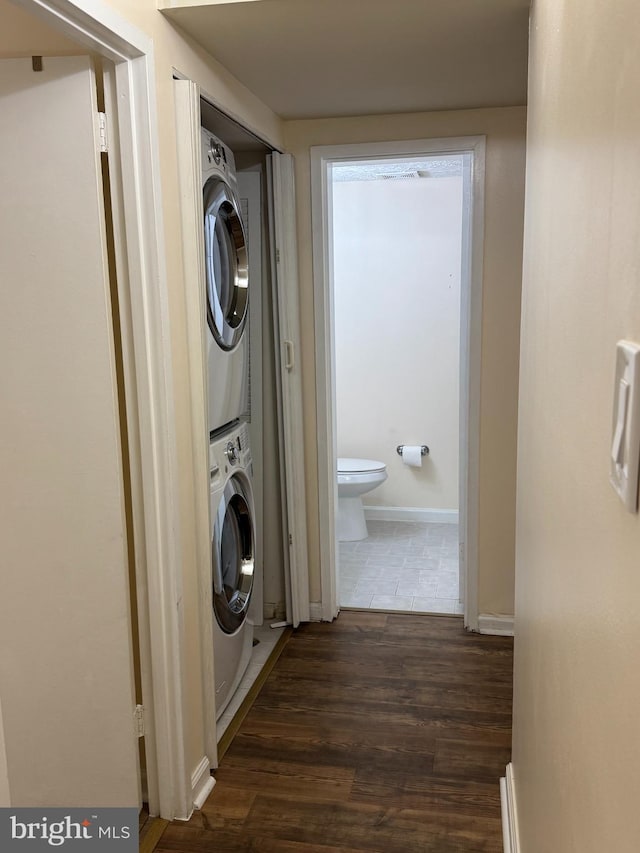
(227, 285)
(232, 559)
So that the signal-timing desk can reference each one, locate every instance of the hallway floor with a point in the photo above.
(377, 733)
(402, 565)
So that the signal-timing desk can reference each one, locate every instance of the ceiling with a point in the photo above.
(321, 58)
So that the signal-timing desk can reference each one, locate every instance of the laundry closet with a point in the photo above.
(235, 315)
(108, 489)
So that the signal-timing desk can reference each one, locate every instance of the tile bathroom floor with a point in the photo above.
(402, 565)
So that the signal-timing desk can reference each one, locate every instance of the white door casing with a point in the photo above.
(187, 107)
(472, 149)
(130, 415)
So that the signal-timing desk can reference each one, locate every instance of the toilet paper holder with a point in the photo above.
(424, 450)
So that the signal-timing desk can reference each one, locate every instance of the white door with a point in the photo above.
(65, 628)
(250, 192)
(287, 336)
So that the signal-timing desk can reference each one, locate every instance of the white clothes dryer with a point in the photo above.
(232, 559)
(226, 285)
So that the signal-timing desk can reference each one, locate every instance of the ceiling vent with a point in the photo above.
(399, 175)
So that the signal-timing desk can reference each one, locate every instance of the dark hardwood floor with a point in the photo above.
(384, 733)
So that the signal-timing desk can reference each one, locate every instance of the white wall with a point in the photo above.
(576, 749)
(397, 255)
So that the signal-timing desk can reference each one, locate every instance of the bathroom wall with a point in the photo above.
(397, 256)
(504, 204)
(577, 691)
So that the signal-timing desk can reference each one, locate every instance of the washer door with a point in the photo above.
(232, 555)
(227, 275)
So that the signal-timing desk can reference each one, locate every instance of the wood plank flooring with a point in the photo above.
(382, 733)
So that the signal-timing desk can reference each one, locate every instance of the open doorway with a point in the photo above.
(396, 296)
(398, 231)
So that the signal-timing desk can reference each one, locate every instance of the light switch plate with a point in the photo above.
(625, 435)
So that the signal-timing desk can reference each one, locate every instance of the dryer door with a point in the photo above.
(226, 264)
(232, 554)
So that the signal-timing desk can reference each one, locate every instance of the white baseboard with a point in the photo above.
(510, 835)
(411, 513)
(315, 611)
(500, 626)
(202, 782)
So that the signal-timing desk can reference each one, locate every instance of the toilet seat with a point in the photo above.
(349, 465)
(356, 477)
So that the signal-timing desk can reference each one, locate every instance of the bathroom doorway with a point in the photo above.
(397, 337)
(399, 275)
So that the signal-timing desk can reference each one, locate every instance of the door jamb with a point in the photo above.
(322, 158)
(103, 31)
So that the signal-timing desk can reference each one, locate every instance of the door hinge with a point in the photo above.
(102, 133)
(138, 720)
(277, 256)
(290, 539)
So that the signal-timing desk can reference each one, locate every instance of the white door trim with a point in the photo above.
(100, 29)
(510, 831)
(187, 111)
(322, 158)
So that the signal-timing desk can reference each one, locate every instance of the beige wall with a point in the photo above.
(577, 690)
(22, 34)
(397, 331)
(505, 131)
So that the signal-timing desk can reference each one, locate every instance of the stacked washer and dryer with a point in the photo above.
(231, 510)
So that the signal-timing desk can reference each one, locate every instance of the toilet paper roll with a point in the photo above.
(412, 455)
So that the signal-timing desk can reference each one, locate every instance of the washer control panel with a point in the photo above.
(231, 452)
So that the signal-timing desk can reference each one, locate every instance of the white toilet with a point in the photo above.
(356, 477)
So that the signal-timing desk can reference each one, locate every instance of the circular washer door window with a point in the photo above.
(226, 264)
(232, 558)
